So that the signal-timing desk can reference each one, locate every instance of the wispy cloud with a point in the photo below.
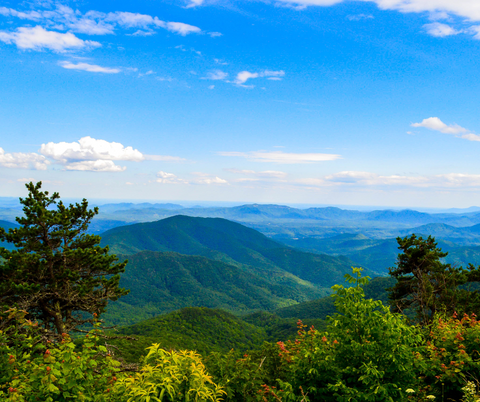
(92, 68)
(282, 157)
(469, 9)
(434, 123)
(64, 18)
(38, 38)
(440, 30)
(252, 175)
(244, 76)
(359, 17)
(207, 179)
(216, 75)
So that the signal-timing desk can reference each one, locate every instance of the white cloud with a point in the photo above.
(367, 178)
(469, 9)
(243, 76)
(266, 174)
(169, 178)
(64, 18)
(195, 3)
(216, 75)
(29, 15)
(440, 30)
(209, 180)
(182, 29)
(95, 166)
(359, 17)
(38, 38)
(89, 149)
(434, 123)
(475, 31)
(92, 68)
(165, 158)
(133, 20)
(20, 160)
(460, 179)
(283, 157)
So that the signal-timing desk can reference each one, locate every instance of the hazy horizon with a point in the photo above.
(324, 102)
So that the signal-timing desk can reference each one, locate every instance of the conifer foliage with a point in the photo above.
(425, 285)
(57, 272)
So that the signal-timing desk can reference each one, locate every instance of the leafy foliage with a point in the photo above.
(169, 376)
(366, 354)
(452, 355)
(57, 273)
(31, 371)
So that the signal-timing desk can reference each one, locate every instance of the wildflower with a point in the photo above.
(409, 391)
(430, 397)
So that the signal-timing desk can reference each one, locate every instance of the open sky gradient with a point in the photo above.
(372, 102)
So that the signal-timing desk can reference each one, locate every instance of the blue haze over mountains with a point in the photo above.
(365, 237)
(256, 257)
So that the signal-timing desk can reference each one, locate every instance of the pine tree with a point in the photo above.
(425, 285)
(57, 272)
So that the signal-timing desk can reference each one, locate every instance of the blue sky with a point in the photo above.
(372, 102)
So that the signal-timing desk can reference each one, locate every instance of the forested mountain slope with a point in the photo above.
(161, 282)
(226, 241)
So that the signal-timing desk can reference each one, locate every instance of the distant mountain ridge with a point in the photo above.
(263, 212)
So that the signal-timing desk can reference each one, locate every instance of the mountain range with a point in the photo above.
(185, 261)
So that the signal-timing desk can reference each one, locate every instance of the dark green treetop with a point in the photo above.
(57, 273)
(425, 285)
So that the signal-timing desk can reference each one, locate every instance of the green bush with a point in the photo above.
(367, 353)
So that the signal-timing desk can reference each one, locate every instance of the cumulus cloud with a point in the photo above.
(90, 149)
(20, 160)
(434, 123)
(92, 68)
(243, 76)
(91, 154)
(283, 157)
(440, 30)
(38, 38)
(169, 178)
